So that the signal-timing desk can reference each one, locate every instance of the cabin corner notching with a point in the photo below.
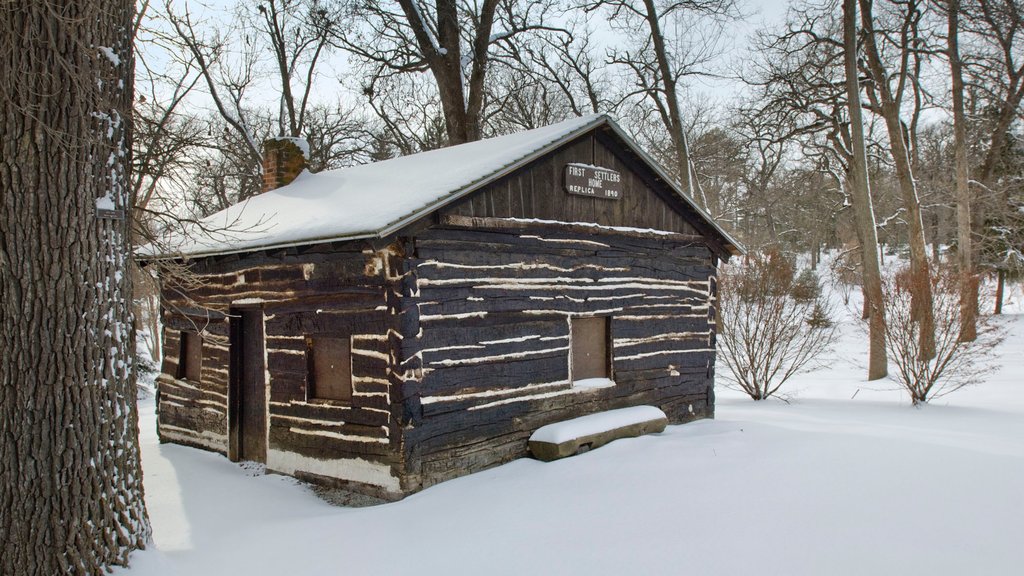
(431, 339)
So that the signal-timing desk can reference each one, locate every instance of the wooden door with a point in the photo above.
(590, 347)
(247, 415)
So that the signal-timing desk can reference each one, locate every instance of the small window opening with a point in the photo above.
(190, 357)
(330, 368)
(590, 348)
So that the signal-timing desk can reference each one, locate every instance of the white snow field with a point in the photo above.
(847, 478)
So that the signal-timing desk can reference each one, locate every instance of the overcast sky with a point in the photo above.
(719, 91)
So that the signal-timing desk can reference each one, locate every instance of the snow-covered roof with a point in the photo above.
(374, 200)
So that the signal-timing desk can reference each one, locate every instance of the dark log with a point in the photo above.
(576, 227)
(324, 410)
(327, 447)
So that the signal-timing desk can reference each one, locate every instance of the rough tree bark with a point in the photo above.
(968, 282)
(860, 193)
(70, 477)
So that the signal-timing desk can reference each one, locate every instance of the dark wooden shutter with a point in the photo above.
(590, 348)
(330, 368)
(190, 357)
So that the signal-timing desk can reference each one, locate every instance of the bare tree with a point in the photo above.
(546, 77)
(164, 139)
(807, 92)
(296, 34)
(521, 100)
(564, 61)
(720, 160)
(861, 194)
(456, 41)
(273, 46)
(70, 476)
(956, 363)
(887, 91)
(767, 146)
(226, 87)
(299, 34)
(995, 68)
(164, 133)
(965, 252)
(658, 64)
(993, 32)
(408, 113)
(772, 324)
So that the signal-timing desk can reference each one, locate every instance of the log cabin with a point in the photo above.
(386, 327)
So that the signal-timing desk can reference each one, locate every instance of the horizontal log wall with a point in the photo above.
(485, 347)
(344, 291)
(194, 413)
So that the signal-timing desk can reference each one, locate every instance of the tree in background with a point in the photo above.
(808, 94)
(772, 323)
(666, 43)
(456, 41)
(548, 76)
(892, 80)
(720, 161)
(860, 190)
(965, 251)
(1002, 245)
(956, 363)
(991, 34)
(71, 480)
(280, 46)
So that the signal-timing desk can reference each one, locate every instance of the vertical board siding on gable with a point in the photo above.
(493, 340)
(537, 192)
(333, 291)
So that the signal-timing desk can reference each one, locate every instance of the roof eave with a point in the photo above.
(493, 177)
(734, 247)
(277, 246)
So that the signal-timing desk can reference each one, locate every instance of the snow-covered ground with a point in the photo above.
(847, 478)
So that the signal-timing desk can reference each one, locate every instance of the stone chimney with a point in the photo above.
(284, 158)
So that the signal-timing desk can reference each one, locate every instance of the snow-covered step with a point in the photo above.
(571, 437)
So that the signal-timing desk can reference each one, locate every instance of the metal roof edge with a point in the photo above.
(278, 246)
(656, 167)
(454, 195)
(600, 119)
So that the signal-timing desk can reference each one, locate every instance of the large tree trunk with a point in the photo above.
(860, 190)
(69, 457)
(674, 122)
(889, 104)
(461, 104)
(968, 281)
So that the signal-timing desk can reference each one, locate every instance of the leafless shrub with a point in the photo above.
(845, 273)
(956, 364)
(771, 326)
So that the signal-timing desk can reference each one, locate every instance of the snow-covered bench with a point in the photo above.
(570, 437)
